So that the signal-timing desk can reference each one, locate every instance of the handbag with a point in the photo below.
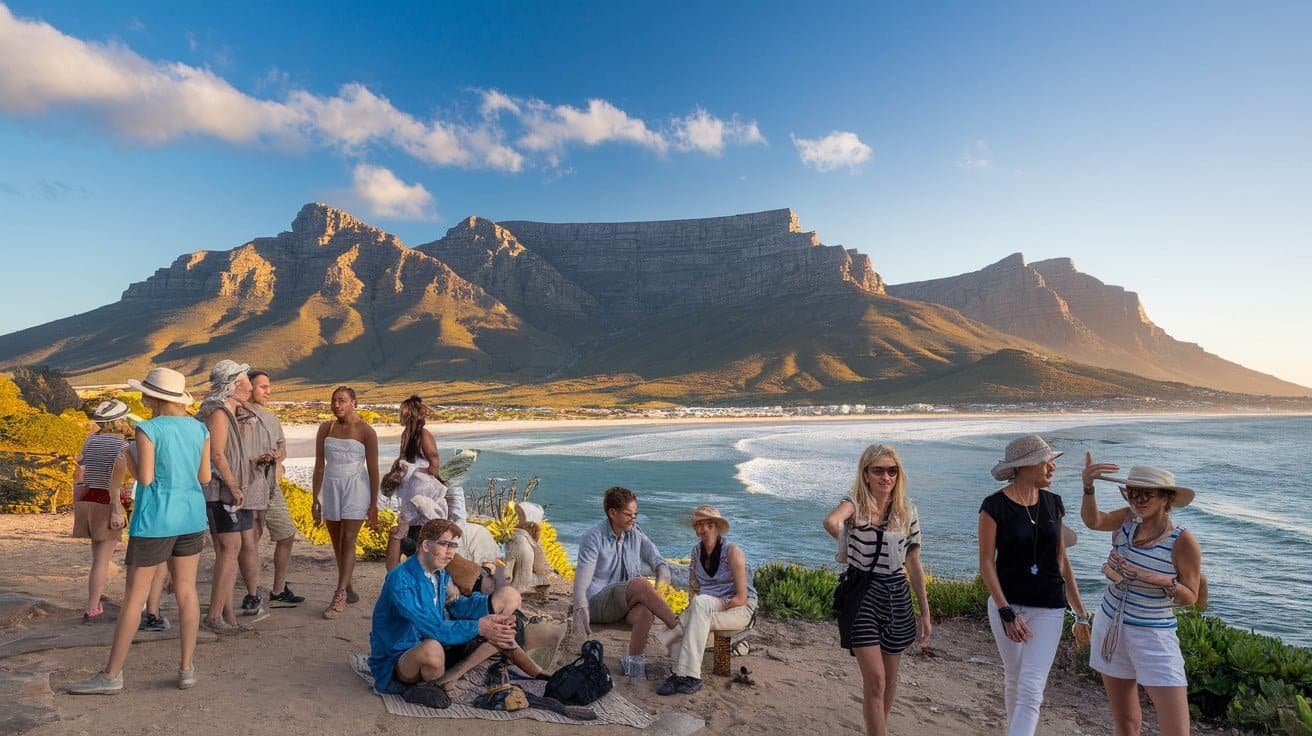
(583, 681)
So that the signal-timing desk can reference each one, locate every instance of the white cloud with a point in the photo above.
(834, 151)
(551, 128)
(494, 101)
(977, 156)
(387, 196)
(702, 131)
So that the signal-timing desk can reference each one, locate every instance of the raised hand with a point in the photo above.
(1093, 470)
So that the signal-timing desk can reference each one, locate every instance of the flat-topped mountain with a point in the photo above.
(1080, 317)
(735, 308)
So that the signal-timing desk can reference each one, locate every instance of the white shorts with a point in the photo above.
(1146, 654)
(344, 498)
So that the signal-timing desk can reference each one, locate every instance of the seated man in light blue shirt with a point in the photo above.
(608, 582)
(426, 635)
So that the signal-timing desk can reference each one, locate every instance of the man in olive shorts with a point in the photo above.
(266, 430)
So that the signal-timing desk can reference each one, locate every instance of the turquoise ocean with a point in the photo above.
(776, 481)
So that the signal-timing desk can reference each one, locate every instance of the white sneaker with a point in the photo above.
(100, 684)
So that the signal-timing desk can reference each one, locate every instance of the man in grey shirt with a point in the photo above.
(608, 582)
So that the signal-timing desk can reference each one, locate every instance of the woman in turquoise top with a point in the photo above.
(168, 524)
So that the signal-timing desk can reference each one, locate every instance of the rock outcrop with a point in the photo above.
(1080, 317)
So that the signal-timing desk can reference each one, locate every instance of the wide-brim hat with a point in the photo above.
(1146, 476)
(226, 370)
(1021, 453)
(164, 384)
(108, 411)
(707, 512)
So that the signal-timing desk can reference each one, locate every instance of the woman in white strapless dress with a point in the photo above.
(345, 488)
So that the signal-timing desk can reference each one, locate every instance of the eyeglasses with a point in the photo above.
(444, 543)
(1141, 494)
(627, 514)
(881, 470)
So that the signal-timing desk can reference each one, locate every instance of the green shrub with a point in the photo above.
(949, 598)
(794, 591)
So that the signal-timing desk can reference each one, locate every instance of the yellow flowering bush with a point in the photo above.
(369, 545)
(675, 598)
(549, 539)
(504, 528)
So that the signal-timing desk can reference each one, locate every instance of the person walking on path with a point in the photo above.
(725, 599)
(231, 524)
(1022, 560)
(1154, 565)
(98, 512)
(168, 522)
(876, 623)
(608, 582)
(345, 488)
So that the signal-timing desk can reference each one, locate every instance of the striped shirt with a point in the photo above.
(1145, 605)
(97, 459)
(879, 548)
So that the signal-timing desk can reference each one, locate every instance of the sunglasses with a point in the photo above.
(882, 470)
(1142, 494)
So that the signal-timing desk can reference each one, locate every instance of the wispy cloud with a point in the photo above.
(386, 195)
(977, 156)
(136, 25)
(44, 71)
(837, 150)
(702, 131)
(51, 189)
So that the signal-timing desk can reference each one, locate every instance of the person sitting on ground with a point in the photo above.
(725, 599)
(425, 635)
(608, 582)
(526, 562)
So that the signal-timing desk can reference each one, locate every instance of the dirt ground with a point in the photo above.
(291, 677)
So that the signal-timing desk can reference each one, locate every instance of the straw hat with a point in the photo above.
(707, 512)
(1145, 476)
(1021, 453)
(164, 384)
(109, 410)
(531, 513)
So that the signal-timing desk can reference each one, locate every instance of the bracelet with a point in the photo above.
(1006, 614)
(1088, 490)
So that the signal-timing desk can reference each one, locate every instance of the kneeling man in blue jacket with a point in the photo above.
(426, 635)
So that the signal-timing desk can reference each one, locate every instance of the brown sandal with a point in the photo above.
(337, 606)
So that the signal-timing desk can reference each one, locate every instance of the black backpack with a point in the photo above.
(584, 680)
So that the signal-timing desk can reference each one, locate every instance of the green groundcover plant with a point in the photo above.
(1236, 677)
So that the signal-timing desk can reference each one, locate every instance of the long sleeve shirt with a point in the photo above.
(412, 607)
(606, 559)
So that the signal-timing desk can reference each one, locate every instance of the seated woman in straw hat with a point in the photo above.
(1154, 565)
(725, 600)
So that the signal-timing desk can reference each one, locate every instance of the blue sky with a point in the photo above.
(1164, 148)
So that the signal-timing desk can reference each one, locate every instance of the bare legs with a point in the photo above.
(100, 554)
(1127, 718)
(248, 558)
(343, 534)
(645, 605)
(282, 559)
(226, 548)
(878, 687)
(157, 588)
(139, 581)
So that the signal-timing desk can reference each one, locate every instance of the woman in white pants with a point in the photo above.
(1023, 563)
(725, 600)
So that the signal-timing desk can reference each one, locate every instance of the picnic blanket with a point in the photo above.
(612, 709)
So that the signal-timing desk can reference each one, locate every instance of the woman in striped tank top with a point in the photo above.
(98, 512)
(873, 601)
(1154, 566)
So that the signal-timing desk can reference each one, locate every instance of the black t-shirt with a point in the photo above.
(1027, 567)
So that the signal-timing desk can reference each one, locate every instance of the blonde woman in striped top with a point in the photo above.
(873, 601)
(1155, 565)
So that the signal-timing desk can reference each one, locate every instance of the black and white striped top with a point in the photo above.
(97, 459)
(878, 548)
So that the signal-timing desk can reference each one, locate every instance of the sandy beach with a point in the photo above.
(290, 676)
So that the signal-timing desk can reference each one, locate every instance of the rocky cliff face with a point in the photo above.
(634, 269)
(1080, 317)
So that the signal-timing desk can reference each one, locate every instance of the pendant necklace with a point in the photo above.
(1034, 524)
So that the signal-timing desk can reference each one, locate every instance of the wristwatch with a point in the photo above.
(1006, 614)
(1088, 490)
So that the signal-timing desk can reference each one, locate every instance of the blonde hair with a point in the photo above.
(863, 498)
